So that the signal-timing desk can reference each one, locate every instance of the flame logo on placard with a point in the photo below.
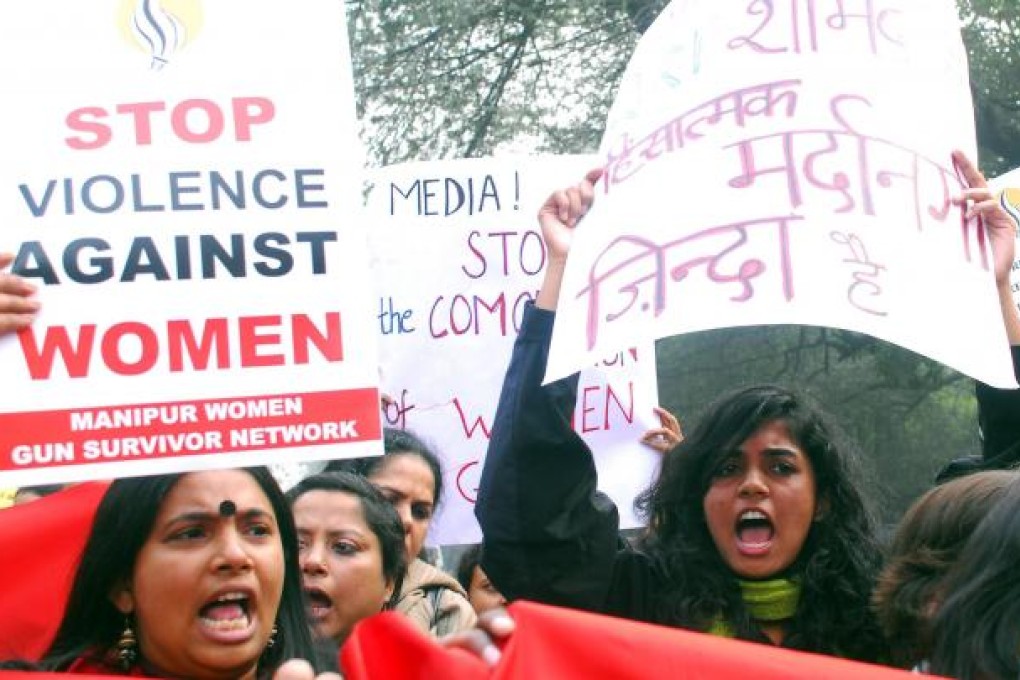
(1010, 200)
(160, 28)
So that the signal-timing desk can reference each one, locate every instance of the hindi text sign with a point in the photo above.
(788, 162)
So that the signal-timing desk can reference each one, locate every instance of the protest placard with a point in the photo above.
(788, 162)
(182, 183)
(459, 253)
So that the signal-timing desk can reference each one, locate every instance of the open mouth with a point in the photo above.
(319, 603)
(754, 532)
(228, 613)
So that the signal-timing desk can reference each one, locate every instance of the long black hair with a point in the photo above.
(124, 519)
(836, 566)
(976, 633)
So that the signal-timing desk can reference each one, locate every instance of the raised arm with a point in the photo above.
(558, 217)
(549, 535)
(998, 410)
(1001, 231)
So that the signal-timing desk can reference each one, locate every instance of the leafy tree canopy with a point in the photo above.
(458, 78)
(451, 78)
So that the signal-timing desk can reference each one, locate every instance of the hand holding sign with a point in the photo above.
(17, 307)
(982, 202)
(999, 226)
(664, 438)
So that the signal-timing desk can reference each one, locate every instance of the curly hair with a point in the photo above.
(836, 565)
(927, 543)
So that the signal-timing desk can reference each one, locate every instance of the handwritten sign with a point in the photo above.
(459, 254)
(187, 201)
(788, 162)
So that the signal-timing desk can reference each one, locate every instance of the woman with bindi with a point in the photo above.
(186, 575)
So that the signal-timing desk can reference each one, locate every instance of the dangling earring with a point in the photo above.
(127, 647)
(271, 642)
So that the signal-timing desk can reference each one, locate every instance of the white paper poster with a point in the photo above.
(788, 162)
(459, 253)
(182, 183)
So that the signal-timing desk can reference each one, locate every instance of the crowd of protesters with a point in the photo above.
(758, 529)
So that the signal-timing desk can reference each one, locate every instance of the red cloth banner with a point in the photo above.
(40, 543)
(570, 645)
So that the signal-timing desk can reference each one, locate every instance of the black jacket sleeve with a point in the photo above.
(999, 425)
(549, 535)
(999, 420)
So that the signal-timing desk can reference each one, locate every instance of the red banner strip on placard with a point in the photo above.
(44, 439)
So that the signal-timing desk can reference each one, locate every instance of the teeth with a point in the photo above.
(753, 514)
(230, 597)
(240, 623)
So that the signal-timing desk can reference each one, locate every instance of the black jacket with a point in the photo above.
(549, 535)
(999, 421)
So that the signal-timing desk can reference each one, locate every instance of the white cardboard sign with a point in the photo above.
(181, 181)
(788, 162)
(458, 253)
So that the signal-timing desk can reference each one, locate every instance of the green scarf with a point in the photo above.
(772, 600)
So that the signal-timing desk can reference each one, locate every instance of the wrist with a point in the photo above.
(549, 294)
(558, 262)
